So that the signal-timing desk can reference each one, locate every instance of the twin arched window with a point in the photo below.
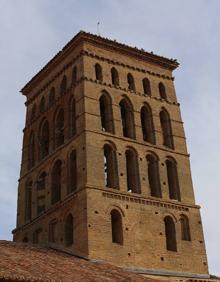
(185, 230)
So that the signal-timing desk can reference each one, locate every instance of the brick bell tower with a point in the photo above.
(105, 172)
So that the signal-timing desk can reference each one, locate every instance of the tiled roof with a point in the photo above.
(26, 262)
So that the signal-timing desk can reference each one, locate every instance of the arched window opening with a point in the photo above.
(162, 91)
(166, 129)
(51, 96)
(37, 236)
(42, 105)
(115, 77)
(69, 230)
(185, 230)
(110, 167)
(147, 124)
(173, 182)
(33, 112)
(117, 229)
(28, 201)
(146, 86)
(41, 182)
(98, 72)
(44, 140)
(59, 129)
(131, 84)
(40, 204)
(31, 151)
(72, 172)
(52, 231)
(153, 176)
(74, 75)
(127, 119)
(63, 85)
(105, 105)
(72, 117)
(56, 182)
(170, 232)
(133, 181)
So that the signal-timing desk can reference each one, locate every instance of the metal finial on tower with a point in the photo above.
(98, 31)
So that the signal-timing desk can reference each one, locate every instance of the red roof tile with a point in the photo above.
(25, 262)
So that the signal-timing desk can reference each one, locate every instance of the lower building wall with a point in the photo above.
(75, 205)
(144, 238)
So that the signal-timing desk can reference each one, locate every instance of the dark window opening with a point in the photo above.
(63, 85)
(59, 129)
(117, 229)
(153, 176)
(162, 91)
(185, 230)
(72, 172)
(52, 96)
(115, 77)
(52, 231)
(56, 182)
(74, 75)
(44, 140)
(31, 151)
(106, 113)
(133, 181)
(147, 125)
(69, 230)
(170, 232)
(127, 119)
(146, 86)
(98, 72)
(173, 182)
(166, 129)
(72, 117)
(110, 167)
(131, 84)
(28, 201)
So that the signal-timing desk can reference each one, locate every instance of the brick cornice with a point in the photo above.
(81, 37)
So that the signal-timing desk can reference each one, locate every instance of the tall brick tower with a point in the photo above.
(105, 171)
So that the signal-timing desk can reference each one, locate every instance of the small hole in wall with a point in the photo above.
(201, 242)
(156, 212)
(61, 239)
(119, 154)
(84, 169)
(129, 254)
(143, 178)
(126, 228)
(162, 258)
(89, 225)
(199, 222)
(121, 174)
(164, 183)
(96, 212)
(161, 233)
(162, 164)
(83, 148)
(141, 159)
(126, 206)
(204, 263)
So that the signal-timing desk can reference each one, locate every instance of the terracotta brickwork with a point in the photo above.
(117, 183)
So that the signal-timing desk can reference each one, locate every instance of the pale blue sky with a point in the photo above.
(32, 31)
